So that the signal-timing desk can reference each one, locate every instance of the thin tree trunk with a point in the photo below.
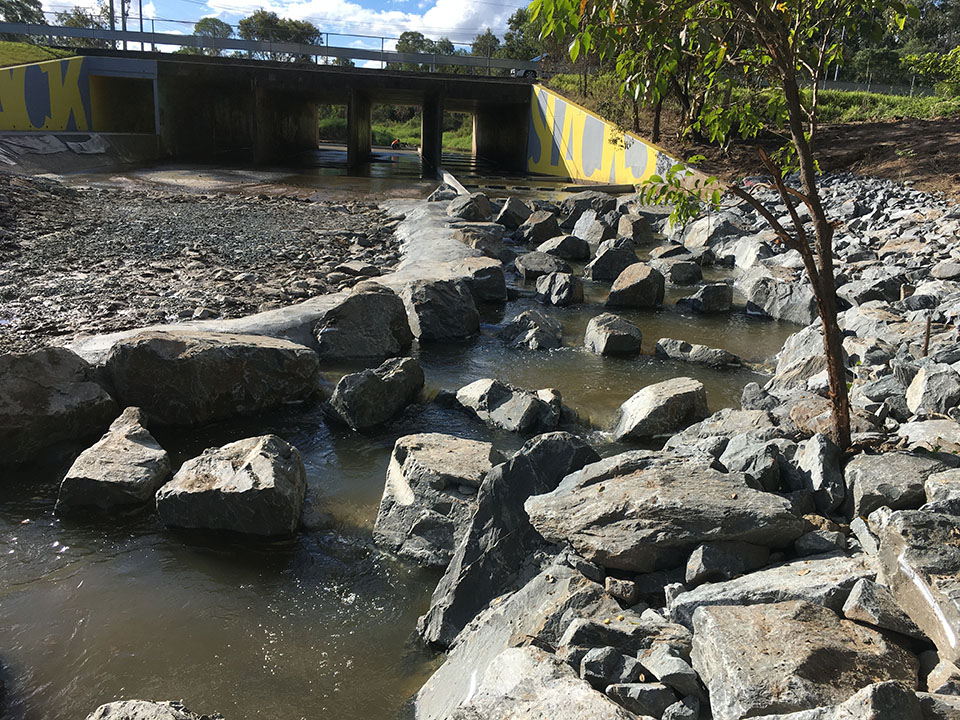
(656, 120)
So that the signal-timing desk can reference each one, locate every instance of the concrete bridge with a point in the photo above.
(192, 106)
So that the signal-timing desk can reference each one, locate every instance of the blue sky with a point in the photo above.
(346, 20)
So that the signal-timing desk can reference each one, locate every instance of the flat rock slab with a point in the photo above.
(46, 397)
(920, 557)
(190, 378)
(430, 494)
(787, 657)
(823, 581)
(530, 684)
(658, 511)
(124, 468)
(254, 486)
(889, 700)
(893, 479)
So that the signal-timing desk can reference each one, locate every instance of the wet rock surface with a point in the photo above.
(147, 710)
(254, 486)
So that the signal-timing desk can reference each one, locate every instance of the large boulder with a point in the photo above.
(371, 322)
(124, 468)
(679, 271)
(509, 408)
(662, 409)
(791, 656)
(440, 310)
(636, 228)
(560, 289)
(484, 278)
(641, 511)
(610, 261)
(373, 396)
(527, 683)
(594, 227)
(712, 298)
(672, 349)
(538, 228)
(567, 247)
(254, 486)
(513, 214)
(536, 614)
(888, 700)
(48, 396)
(824, 580)
(475, 207)
(189, 378)
(818, 462)
(534, 264)
(499, 537)
(574, 206)
(894, 479)
(934, 389)
(609, 334)
(779, 295)
(920, 558)
(145, 710)
(430, 495)
(533, 330)
(638, 286)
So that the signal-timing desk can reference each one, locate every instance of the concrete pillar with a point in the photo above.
(431, 134)
(284, 124)
(359, 132)
(500, 135)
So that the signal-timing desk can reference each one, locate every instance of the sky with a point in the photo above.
(347, 21)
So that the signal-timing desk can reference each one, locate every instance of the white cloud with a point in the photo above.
(460, 20)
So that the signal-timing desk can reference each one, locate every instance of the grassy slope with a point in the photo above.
(18, 53)
(334, 129)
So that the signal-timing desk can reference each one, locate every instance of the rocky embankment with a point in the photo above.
(97, 260)
(749, 568)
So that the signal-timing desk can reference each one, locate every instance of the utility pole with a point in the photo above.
(141, 25)
(113, 21)
(123, 20)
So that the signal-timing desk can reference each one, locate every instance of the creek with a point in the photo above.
(319, 625)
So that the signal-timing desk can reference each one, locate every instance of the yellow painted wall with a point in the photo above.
(567, 140)
(52, 95)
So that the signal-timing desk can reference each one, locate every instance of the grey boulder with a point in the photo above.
(609, 334)
(566, 247)
(512, 409)
(873, 604)
(662, 409)
(48, 396)
(920, 557)
(710, 299)
(787, 657)
(538, 228)
(430, 494)
(475, 207)
(146, 710)
(124, 468)
(440, 310)
(683, 351)
(532, 330)
(535, 264)
(894, 479)
(369, 323)
(609, 262)
(254, 486)
(934, 389)
(637, 286)
(373, 396)
(513, 214)
(640, 512)
(189, 377)
(560, 289)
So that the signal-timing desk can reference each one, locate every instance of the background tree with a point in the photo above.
(21, 11)
(97, 17)
(769, 49)
(265, 26)
(212, 28)
(485, 44)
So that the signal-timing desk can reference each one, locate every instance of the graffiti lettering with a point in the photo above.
(55, 98)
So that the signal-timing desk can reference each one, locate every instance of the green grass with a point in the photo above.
(19, 53)
(334, 129)
(838, 106)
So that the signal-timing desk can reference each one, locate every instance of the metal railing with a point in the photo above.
(270, 48)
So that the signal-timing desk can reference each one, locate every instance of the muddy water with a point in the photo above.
(317, 626)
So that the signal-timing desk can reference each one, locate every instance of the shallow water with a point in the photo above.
(317, 626)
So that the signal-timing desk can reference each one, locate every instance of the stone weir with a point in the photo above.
(748, 569)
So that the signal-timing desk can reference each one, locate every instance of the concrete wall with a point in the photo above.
(78, 94)
(500, 134)
(567, 140)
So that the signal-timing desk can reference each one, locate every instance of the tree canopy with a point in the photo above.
(266, 26)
